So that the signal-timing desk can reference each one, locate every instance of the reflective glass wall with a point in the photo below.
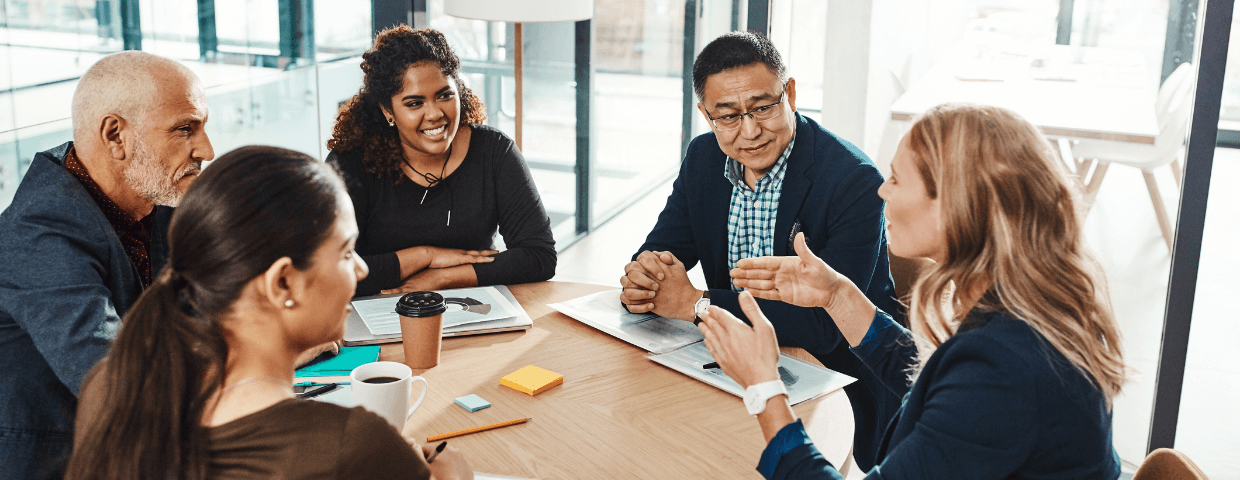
(1094, 75)
(637, 67)
(1208, 418)
(274, 70)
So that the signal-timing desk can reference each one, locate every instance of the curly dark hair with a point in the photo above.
(361, 124)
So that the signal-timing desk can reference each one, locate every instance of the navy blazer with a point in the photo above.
(830, 192)
(65, 283)
(995, 401)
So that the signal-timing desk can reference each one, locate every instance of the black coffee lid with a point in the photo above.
(420, 304)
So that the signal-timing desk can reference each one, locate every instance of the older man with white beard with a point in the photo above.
(84, 235)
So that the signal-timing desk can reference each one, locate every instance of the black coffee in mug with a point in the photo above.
(381, 380)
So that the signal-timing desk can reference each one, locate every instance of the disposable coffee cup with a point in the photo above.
(421, 327)
(385, 388)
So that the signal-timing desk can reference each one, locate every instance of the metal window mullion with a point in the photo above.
(1063, 34)
(131, 24)
(688, 96)
(583, 73)
(759, 17)
(208, 41)
(1186, 254)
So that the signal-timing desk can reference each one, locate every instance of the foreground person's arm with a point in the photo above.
(751, 356)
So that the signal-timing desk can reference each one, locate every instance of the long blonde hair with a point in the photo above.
(1013, 227)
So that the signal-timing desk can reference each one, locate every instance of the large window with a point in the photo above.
(274, 70)
(637, 67)
(1092, 76)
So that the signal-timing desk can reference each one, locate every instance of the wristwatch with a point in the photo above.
(700, 306)
(757, 395)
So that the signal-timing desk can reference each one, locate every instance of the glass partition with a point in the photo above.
(1101, 96)
(1208, 418)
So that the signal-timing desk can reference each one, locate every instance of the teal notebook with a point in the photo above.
(342, 364)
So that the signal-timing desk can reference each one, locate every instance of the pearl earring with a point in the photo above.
(391, 122)
(289, 303)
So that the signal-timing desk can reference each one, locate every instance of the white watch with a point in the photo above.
(700, 306)
(757, 395)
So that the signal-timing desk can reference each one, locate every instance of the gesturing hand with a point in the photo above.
(804, 280)
(748, 355)
(451, 257)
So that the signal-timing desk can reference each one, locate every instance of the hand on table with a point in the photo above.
(451, 257)
(309, 355)
(748, 355)
(419, 282)
(804, 280)
(671, 295)
(449, 465)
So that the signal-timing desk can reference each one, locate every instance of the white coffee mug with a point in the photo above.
(387, 399)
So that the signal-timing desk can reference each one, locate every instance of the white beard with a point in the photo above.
(151, 178)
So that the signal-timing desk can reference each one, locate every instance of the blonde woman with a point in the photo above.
(1014, 356)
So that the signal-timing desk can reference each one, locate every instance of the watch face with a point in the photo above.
(700, 306)
(751, 396)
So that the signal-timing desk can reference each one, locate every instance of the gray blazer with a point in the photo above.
(65, 283)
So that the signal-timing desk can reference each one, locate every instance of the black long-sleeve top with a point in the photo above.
(491, 190)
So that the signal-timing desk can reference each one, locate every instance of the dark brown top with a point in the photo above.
(293, 439)
(311, 439)
(135, 235)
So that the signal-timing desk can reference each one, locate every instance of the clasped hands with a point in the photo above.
(657, 282)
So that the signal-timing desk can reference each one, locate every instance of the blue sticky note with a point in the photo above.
(342, 364)
(472, 402)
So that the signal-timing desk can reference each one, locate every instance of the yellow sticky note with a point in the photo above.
(531, 380)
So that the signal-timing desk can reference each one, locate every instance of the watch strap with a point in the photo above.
(697, 318)
(759, 393)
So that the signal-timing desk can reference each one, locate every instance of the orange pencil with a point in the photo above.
(468, 431)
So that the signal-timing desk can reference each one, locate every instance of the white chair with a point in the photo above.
(1174, 108)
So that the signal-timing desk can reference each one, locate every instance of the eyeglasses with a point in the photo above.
(760, 114)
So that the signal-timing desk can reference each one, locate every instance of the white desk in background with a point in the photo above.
(1067, 91)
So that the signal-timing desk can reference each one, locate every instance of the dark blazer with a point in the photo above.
(830, 192)
(65, 283)
(995, 401)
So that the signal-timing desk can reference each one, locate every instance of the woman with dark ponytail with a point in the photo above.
(198, 383)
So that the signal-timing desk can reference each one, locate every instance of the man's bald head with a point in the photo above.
(126, 84)
(139, 129)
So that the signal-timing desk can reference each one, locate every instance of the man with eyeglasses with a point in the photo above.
(763, 175)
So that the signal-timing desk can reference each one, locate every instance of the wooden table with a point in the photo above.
(1069, 92)
(617, 415)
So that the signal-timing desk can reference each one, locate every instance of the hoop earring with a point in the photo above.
(289, 303)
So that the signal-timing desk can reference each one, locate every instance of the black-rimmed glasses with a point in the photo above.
(760, 114)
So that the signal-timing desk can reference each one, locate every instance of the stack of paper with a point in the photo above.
(646, 330)
(804, 380)
(465, 306)
(678, 345)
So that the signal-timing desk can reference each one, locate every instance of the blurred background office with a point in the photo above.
(609, 109)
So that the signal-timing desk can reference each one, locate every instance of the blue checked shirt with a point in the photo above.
(751, 214)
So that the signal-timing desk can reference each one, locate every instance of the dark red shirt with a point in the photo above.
(135, 235)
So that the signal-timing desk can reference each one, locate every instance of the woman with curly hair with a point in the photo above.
(430, 183)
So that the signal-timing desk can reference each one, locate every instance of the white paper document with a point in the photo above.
(646, 330)
(465, 306)
(804, 380)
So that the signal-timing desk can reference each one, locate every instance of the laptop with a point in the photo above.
(357, 333)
